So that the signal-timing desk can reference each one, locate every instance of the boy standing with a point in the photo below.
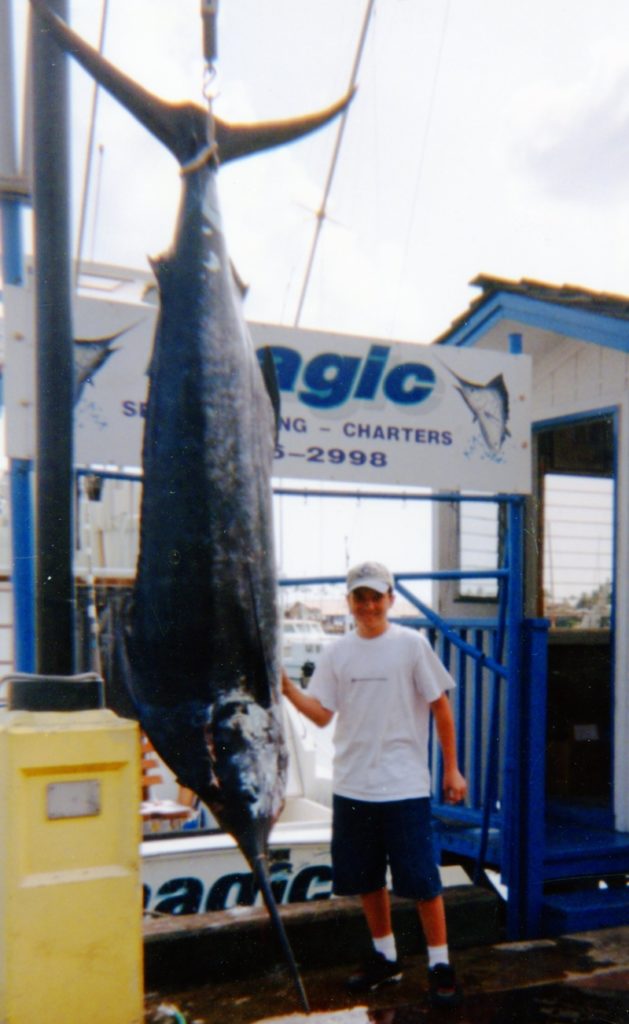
(384, 681)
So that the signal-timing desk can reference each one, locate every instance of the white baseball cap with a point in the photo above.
(370, 574)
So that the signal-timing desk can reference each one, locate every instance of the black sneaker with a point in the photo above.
(443, 989)
(376, 971)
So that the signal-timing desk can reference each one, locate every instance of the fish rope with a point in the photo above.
(204, 156)
(209, 14)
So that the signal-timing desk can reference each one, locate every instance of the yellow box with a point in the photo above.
(70, 888)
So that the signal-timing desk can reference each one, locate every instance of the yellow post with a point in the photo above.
(70, 890)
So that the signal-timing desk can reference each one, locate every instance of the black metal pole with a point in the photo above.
(55, 384)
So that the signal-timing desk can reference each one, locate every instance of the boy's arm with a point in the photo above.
(454, 785)
(306, 703)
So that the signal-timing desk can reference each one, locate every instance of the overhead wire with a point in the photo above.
(322, 212)
(90, 147)
(422, 159)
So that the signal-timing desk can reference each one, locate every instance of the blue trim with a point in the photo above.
(437, 574)
(12, 256)
(479, 323)
(581, 324)
(606, 412)
(23, 557)
(515, 344)
(490, 781)
(533, 777)
(512, 765)
(280, 490)
(132, 475)
(454, 496)
(20, 477)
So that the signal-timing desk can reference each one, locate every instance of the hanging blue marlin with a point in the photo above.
(202, 641)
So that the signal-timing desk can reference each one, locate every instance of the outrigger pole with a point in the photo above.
(54, 362)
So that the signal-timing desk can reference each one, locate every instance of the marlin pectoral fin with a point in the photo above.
(270, 382)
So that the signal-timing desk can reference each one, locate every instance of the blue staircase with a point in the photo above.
(584, 910)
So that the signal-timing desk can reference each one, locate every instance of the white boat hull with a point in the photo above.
(192, 874)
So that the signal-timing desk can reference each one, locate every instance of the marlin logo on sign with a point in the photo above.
(89, 356)
(489, 405)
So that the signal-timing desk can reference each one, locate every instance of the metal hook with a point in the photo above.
(209, 11)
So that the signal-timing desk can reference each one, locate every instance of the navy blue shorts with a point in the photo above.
(367, 837)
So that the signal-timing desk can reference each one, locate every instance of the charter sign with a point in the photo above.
(353, 410)
(365, 410)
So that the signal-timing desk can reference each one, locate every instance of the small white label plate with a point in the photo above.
(73, 799)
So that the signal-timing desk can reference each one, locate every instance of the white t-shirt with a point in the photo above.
(381, 689)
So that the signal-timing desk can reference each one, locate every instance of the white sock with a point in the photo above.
(386, 946)
(438, 955)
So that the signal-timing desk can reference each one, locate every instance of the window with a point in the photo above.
(576, 487)
(578, 527)
(479, 547)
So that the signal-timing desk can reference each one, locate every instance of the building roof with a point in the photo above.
(567, 310)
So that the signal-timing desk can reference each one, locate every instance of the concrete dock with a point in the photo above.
(226, 968)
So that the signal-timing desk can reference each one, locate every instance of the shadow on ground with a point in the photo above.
(565, 981)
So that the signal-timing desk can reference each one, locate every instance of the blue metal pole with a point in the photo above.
(23, 554)
(493, 731)
(533, 781)
(12, 194)
(20, 479)
(12, 258)
(514, 764)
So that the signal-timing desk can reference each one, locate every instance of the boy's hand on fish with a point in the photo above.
(454, 787)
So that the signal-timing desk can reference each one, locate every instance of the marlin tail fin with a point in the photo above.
(181, 127)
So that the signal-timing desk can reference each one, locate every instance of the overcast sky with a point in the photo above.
(485, 137)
